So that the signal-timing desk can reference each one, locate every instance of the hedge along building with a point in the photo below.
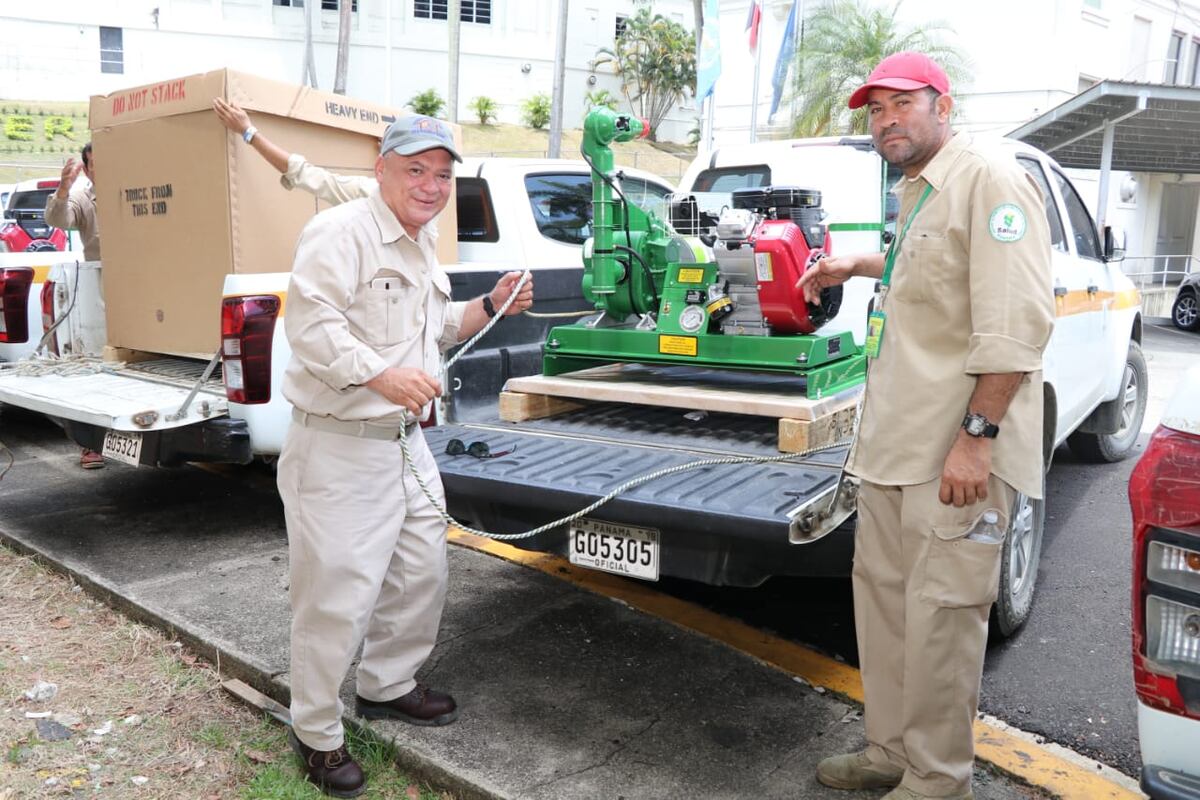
(72, 49)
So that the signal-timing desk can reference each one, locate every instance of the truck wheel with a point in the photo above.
(1019, 566)
(1186, 311)
(1110, 447)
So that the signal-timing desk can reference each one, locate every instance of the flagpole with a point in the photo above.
(712, 107)
(754, 92)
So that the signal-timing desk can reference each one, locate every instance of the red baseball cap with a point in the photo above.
(902, 72)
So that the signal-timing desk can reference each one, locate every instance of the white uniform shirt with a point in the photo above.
(364, 296)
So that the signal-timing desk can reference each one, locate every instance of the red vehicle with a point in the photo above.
(25, 229)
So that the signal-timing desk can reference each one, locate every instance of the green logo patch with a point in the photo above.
(1007, 223)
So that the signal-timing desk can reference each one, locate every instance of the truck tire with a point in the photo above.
(1186, 311)
(1110, 447)
(1019, 565)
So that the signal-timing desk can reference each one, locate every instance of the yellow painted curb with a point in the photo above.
(1010, 754)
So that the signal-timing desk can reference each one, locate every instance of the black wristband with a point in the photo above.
(488, 308)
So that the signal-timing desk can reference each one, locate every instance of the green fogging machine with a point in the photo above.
(706, 291)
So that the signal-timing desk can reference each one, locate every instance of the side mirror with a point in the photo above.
(1114, 243)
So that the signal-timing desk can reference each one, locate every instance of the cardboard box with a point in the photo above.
(182, 201)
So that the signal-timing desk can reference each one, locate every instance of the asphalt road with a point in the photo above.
(1066, 676)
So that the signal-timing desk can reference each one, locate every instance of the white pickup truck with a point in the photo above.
(513, 214)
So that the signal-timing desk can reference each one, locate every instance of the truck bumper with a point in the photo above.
(222, 440)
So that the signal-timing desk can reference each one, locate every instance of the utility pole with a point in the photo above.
(308, 72)
(560, 72)
(343, 47)
(454, 20)
(387, 52)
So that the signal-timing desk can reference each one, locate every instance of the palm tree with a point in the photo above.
(843, 41)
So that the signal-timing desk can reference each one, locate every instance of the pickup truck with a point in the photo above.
(727, 525)
(730, 525)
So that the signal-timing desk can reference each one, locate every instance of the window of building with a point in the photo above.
(1195, 62)
(1172, 69)
(622, 23)
(469, 10)
(332, 5)
(112, 50)
(288, 3)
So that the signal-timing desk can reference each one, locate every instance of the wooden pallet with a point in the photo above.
(803, 423)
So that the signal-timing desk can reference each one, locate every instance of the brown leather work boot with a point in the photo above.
(421, 706)
(333, 771)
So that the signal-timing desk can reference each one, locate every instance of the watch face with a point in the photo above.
(975, 425)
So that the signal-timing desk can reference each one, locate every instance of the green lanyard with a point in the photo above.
(889, 260)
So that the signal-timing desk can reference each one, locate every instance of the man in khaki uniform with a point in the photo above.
(951, 428)
(368, 314)
(75, 210)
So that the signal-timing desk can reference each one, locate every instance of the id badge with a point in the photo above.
(875, 323)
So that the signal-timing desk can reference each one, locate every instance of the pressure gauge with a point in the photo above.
(692, 318)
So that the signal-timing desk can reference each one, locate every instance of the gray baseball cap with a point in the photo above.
(416, 133)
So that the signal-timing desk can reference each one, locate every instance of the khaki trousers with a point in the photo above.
(367, 553)
(922, 594)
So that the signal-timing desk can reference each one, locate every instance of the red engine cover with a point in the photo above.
(780, 255)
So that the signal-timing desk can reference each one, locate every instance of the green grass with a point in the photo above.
(214, 735)
(283, 779)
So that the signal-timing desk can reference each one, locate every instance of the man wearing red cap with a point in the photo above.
(951, 427)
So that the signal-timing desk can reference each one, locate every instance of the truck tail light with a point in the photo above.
(48, 315)
(14, 305)
(1164, 493)
(47, 184)
(247, 330)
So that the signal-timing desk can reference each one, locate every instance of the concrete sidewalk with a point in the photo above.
(564, 693)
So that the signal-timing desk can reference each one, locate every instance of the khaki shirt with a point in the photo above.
(77, 213)
(345, 326)
(968, 296)
(327, 186)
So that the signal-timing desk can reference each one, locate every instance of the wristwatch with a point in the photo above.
(977, 425)
(488, 308)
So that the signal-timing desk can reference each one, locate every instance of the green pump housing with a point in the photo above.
(650, 287)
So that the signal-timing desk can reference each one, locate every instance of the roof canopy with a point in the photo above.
(1154, 128)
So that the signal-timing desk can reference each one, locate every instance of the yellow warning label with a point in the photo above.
(677, 345)
(691, 275)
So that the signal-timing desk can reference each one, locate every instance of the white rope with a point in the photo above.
(624, 487)
(68, 365)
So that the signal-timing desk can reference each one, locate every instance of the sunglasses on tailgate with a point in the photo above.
(455, 447)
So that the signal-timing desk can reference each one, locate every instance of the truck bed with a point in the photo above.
(725, 524)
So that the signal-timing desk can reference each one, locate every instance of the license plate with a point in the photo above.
(623, 549)
(121, 446)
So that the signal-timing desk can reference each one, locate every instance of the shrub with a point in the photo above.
(428, 102)
(18, 128)
(484, 108)
(59, 126)
(598, 98)
(536, 111)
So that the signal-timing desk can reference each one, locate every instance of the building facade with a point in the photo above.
(71, 49)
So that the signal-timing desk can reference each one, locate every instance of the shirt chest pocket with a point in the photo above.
(438, 303)
(936, 272)
(395, 310)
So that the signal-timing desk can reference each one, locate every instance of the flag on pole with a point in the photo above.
(787, 51)
(708, 60)
(752, 21)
